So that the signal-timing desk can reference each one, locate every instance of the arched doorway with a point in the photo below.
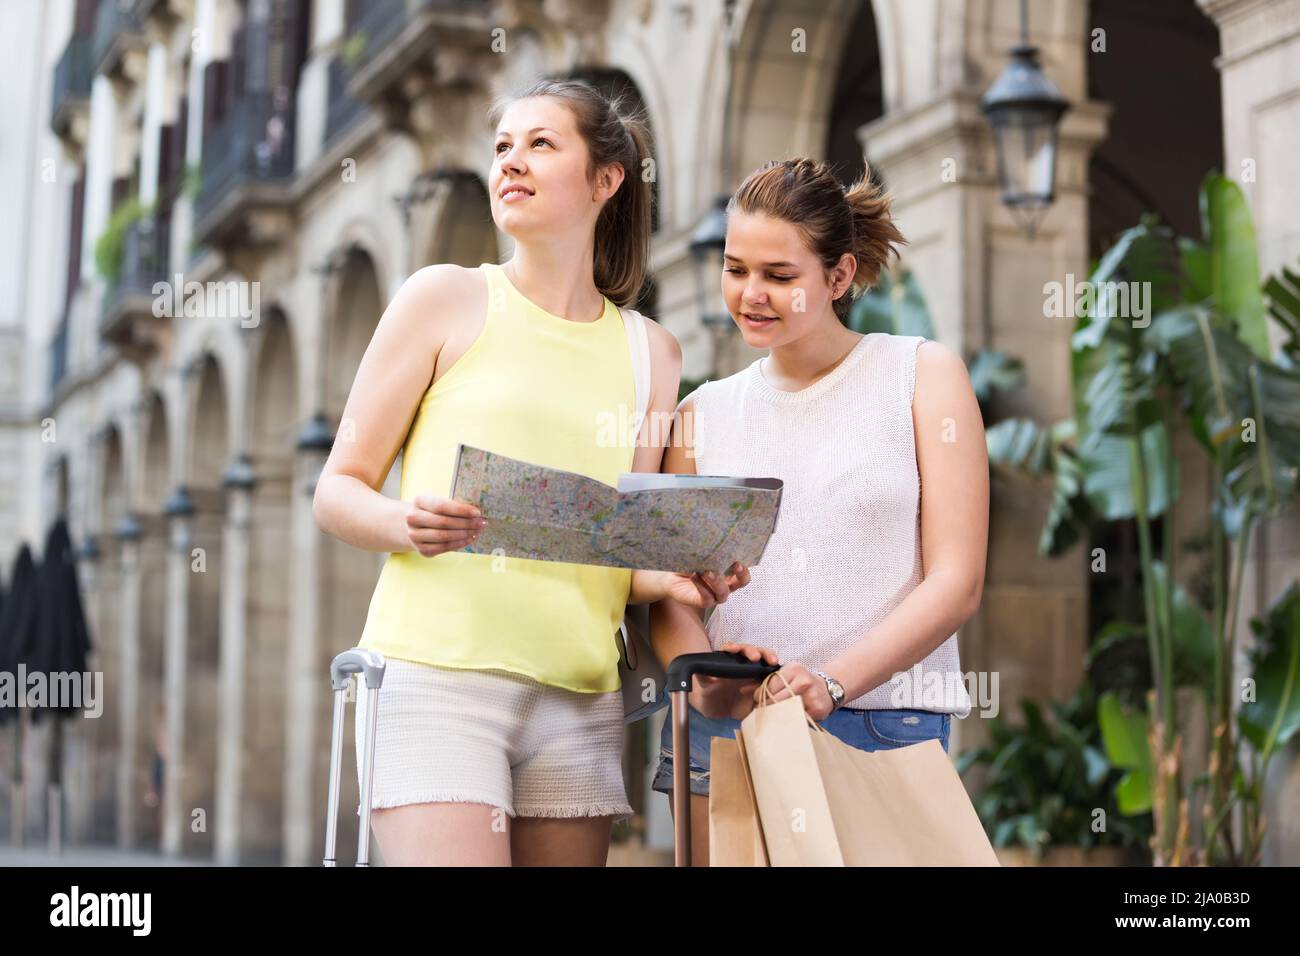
(464, 233)
(275, 416)
(347, 575)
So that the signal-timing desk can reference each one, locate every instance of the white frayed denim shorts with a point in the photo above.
(448, 735)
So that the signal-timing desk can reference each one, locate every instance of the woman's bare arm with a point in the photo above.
(704, 590)
(677, 628)
(393, 376)
(952, 460)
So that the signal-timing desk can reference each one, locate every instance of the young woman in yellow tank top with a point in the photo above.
(500, 721)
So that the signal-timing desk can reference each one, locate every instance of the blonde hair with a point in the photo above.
(832, 219)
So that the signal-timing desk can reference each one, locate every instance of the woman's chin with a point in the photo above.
(520, 225)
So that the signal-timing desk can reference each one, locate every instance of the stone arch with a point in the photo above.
(463, 231)
(782, 94)
(804, 94)
(114, 495)
(347, 576)
(357, 303)
(219, 356)
(1129, 173)
(274, 423)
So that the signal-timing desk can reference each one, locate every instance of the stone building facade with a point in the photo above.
(298, 159)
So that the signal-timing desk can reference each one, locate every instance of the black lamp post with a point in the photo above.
(1025, 108)
(707, 244)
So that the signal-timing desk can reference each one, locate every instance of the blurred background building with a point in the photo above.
(320, 151)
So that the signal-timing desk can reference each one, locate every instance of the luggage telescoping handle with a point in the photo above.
(681, 677)
(371, 665)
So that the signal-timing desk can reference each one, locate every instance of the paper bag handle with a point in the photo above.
(765, 697)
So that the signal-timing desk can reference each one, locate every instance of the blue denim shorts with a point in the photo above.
(864, 729)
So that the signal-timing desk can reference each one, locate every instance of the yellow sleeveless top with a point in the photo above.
(534, 386)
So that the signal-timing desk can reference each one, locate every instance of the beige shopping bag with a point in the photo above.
(735, 836)
(902, 807)
(792, 805)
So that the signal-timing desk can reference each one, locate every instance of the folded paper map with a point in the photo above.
(682, 523)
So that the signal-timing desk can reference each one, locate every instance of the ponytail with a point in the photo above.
(834, 221)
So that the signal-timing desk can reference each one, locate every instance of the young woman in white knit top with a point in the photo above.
(878, 553)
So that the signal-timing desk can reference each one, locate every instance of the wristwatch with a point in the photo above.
(835, 688)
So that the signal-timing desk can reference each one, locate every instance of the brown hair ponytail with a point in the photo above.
(833, 220)
(612, 135)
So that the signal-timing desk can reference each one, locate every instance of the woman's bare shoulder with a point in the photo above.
(435, 300)
(445, 283)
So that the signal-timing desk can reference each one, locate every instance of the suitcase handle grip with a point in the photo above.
(731, 664)
(357, 661)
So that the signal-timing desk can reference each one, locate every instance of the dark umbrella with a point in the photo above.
(62, 640)
(17, 628)
(61, 645)
(17, 622)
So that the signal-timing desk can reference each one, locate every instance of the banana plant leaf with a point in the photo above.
(1283, 295)
(1245, 410)
(1021, 445)
(1229, 232)
(1124, 735)
(1119, 660)
(1108, 480)
(991, 369)
(1273, 717)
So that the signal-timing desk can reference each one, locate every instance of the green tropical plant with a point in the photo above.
(1200, 354)
(896, 305)
(352, 49)
(1047, 779)
(109, 245)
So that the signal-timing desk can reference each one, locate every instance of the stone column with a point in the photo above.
(305, 679)
(239, 482)
(80, 741)
(180, 510)
(128, 796)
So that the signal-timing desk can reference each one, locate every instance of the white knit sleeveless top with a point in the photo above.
(846, 549)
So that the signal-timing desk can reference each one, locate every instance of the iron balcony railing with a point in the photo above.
(381, 21)
(253, 144)
(342, 110)
(115, 20)
(145, 246)
(72, 78)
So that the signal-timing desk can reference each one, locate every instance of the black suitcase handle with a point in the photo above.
(681, 678)
(731, 664)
